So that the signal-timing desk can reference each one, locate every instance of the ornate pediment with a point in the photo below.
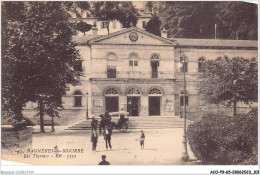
(131, 36)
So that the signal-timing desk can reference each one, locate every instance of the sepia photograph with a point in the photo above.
(130, 83)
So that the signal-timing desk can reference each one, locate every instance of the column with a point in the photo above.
(144, 106)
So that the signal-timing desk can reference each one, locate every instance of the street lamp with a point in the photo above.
(183, 62)
(87, 105)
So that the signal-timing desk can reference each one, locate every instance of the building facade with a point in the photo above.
(136, 71)
(114, 26)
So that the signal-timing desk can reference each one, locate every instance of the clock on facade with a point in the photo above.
(133, 36)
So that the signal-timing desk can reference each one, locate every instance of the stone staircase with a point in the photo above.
(154, 122)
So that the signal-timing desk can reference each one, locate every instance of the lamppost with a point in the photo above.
(183, 62)
(87, 105)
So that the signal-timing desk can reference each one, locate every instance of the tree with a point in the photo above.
(238, 19)
(154, 25)
(127, 14)
(234, 20)
(83, 27)
(41, 55)
(107, 11)
(189, 19)
(13, 100)
(229, 81)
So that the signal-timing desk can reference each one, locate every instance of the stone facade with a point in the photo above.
(138, 72)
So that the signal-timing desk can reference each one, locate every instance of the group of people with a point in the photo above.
(105, 126)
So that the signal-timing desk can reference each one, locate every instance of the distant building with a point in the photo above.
(137, 71)
(114, 26)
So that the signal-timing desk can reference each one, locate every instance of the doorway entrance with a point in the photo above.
(154, 106)
(112, 104)
(133, 104)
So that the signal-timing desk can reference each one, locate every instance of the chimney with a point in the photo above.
(94, 31)
(164, 33)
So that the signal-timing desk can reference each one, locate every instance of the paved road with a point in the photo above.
(162, 147)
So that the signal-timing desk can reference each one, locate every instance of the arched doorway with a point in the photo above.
(111, 100)
(155, 101)
(133, 101)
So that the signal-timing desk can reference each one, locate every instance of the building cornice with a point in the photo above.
(131, 80)
(216, 47)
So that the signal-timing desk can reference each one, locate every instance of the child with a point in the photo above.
(142, 139)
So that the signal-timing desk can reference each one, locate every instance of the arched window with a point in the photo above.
(155, 91)
(182, 96)
(111, 65)
(133, 59)
(111, 92)
(201, 64)
(77, 99)
(133, 91)
(154, 65)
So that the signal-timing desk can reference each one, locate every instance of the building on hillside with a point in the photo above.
(114, 26)
(137, 71)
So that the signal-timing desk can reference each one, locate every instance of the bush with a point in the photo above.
(224, 140)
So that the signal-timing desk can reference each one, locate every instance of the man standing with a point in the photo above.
(102, 123)
(94, 139)
(104, 162)
(107, 138)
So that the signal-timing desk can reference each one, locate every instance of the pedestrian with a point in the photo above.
(94, 139)
(104, 162)
(142, 138)
(102, 123)
(107, 118)
(94, 124)
(107, 137)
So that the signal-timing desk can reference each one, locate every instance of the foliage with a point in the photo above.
(40, 55)
(223, 140)
(154, 25)
(105, 11)
(228, 81)
(189, 19)
(83, 27)
(108, 11)
(127, 14)
(234, 20)
(238, 20)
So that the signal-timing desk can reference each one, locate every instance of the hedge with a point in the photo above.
(223, 140)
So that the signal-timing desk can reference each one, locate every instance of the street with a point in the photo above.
(162, 147)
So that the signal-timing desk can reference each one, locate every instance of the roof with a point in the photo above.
(215, 42)
(131, 29)
(81, 40)
(181, 42)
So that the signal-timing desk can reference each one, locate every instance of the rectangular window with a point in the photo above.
(182, 100)
(144, 24)
(111, 72)
(78, 100)
(103, 24)
(185, 67)
(133, 63)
